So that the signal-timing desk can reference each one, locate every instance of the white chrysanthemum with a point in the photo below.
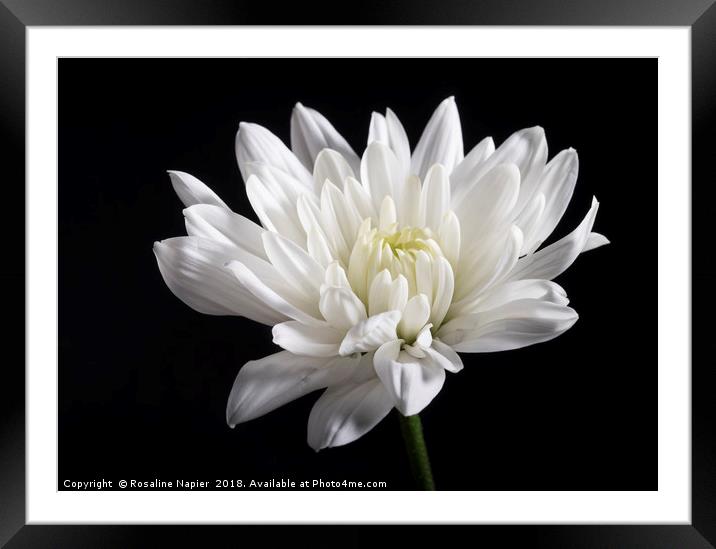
(375, 271)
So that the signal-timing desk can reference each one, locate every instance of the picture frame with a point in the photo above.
(16, 15)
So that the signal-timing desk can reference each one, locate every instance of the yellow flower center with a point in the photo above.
(400, 251)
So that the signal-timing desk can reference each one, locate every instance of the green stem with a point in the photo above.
(412, 429)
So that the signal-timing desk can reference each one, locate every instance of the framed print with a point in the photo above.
(429, 275)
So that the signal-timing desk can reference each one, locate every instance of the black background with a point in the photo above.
(143, 379)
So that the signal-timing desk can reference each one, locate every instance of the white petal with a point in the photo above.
(557, 186)
(345, 413)
(340, 219)
(469, 169)
(550, 262)
(358, 262)
(336, 276)
(444, 286)
(480, 272)
(303, 312)
(266, 384)
(527, 149)
(320, 241)
(192, 191)
(487, 207)
(255, 143)
(298, 268)
(318, 247)
(544, 290)
(512, 326)
(445, 356)
(595, 240)
(410, 211)
(304, 340)
(193, 269)
(379, 172)
(411, 382)
(378, 129)
(388, 215)
(398, 141)
(284, 187)
(424, 338)
(332, 166)
(311, 132)
(224, 226)
(530, 222)
(424, 275)
(435, 199)
(371, 333)
(341, 308)
(398, 294)
(441, 142)
(386, 294)
(360, 199)
(389, 131)
(415, 316)
(379, 293)
(449, 236)
(272, 211)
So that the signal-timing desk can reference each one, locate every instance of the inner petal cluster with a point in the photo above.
(402, 269)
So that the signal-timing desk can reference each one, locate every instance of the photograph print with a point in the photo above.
(358, 274)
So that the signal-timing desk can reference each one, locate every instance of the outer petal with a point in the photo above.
(557, 186)
(441, 142)
(488, 205)
(379, 293)
(411, 382)
(341, 220)
(512, 326)
(544, 290)
(194, 270)
(274, 211)
(332, 166)
(415, 316)
(449, 236)
(489, 268)
(272, 298)
(550, 262)
(527, 149)
(266, 384)
(294, 264)
(311, 132)
(469, 169)
(444, 286)
(389, 131)
(345, 413)
(341, 308)
(360, 198)
(371, 333)
(224, 226)
(255, 143)
(192, 191)
(530, 221)
(380, 173)
(304, 340)
(595, 240)
(445, 356)
(435, 199)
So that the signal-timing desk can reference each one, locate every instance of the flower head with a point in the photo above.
(375, 271)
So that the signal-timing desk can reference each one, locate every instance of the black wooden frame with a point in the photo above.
(700, 15)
